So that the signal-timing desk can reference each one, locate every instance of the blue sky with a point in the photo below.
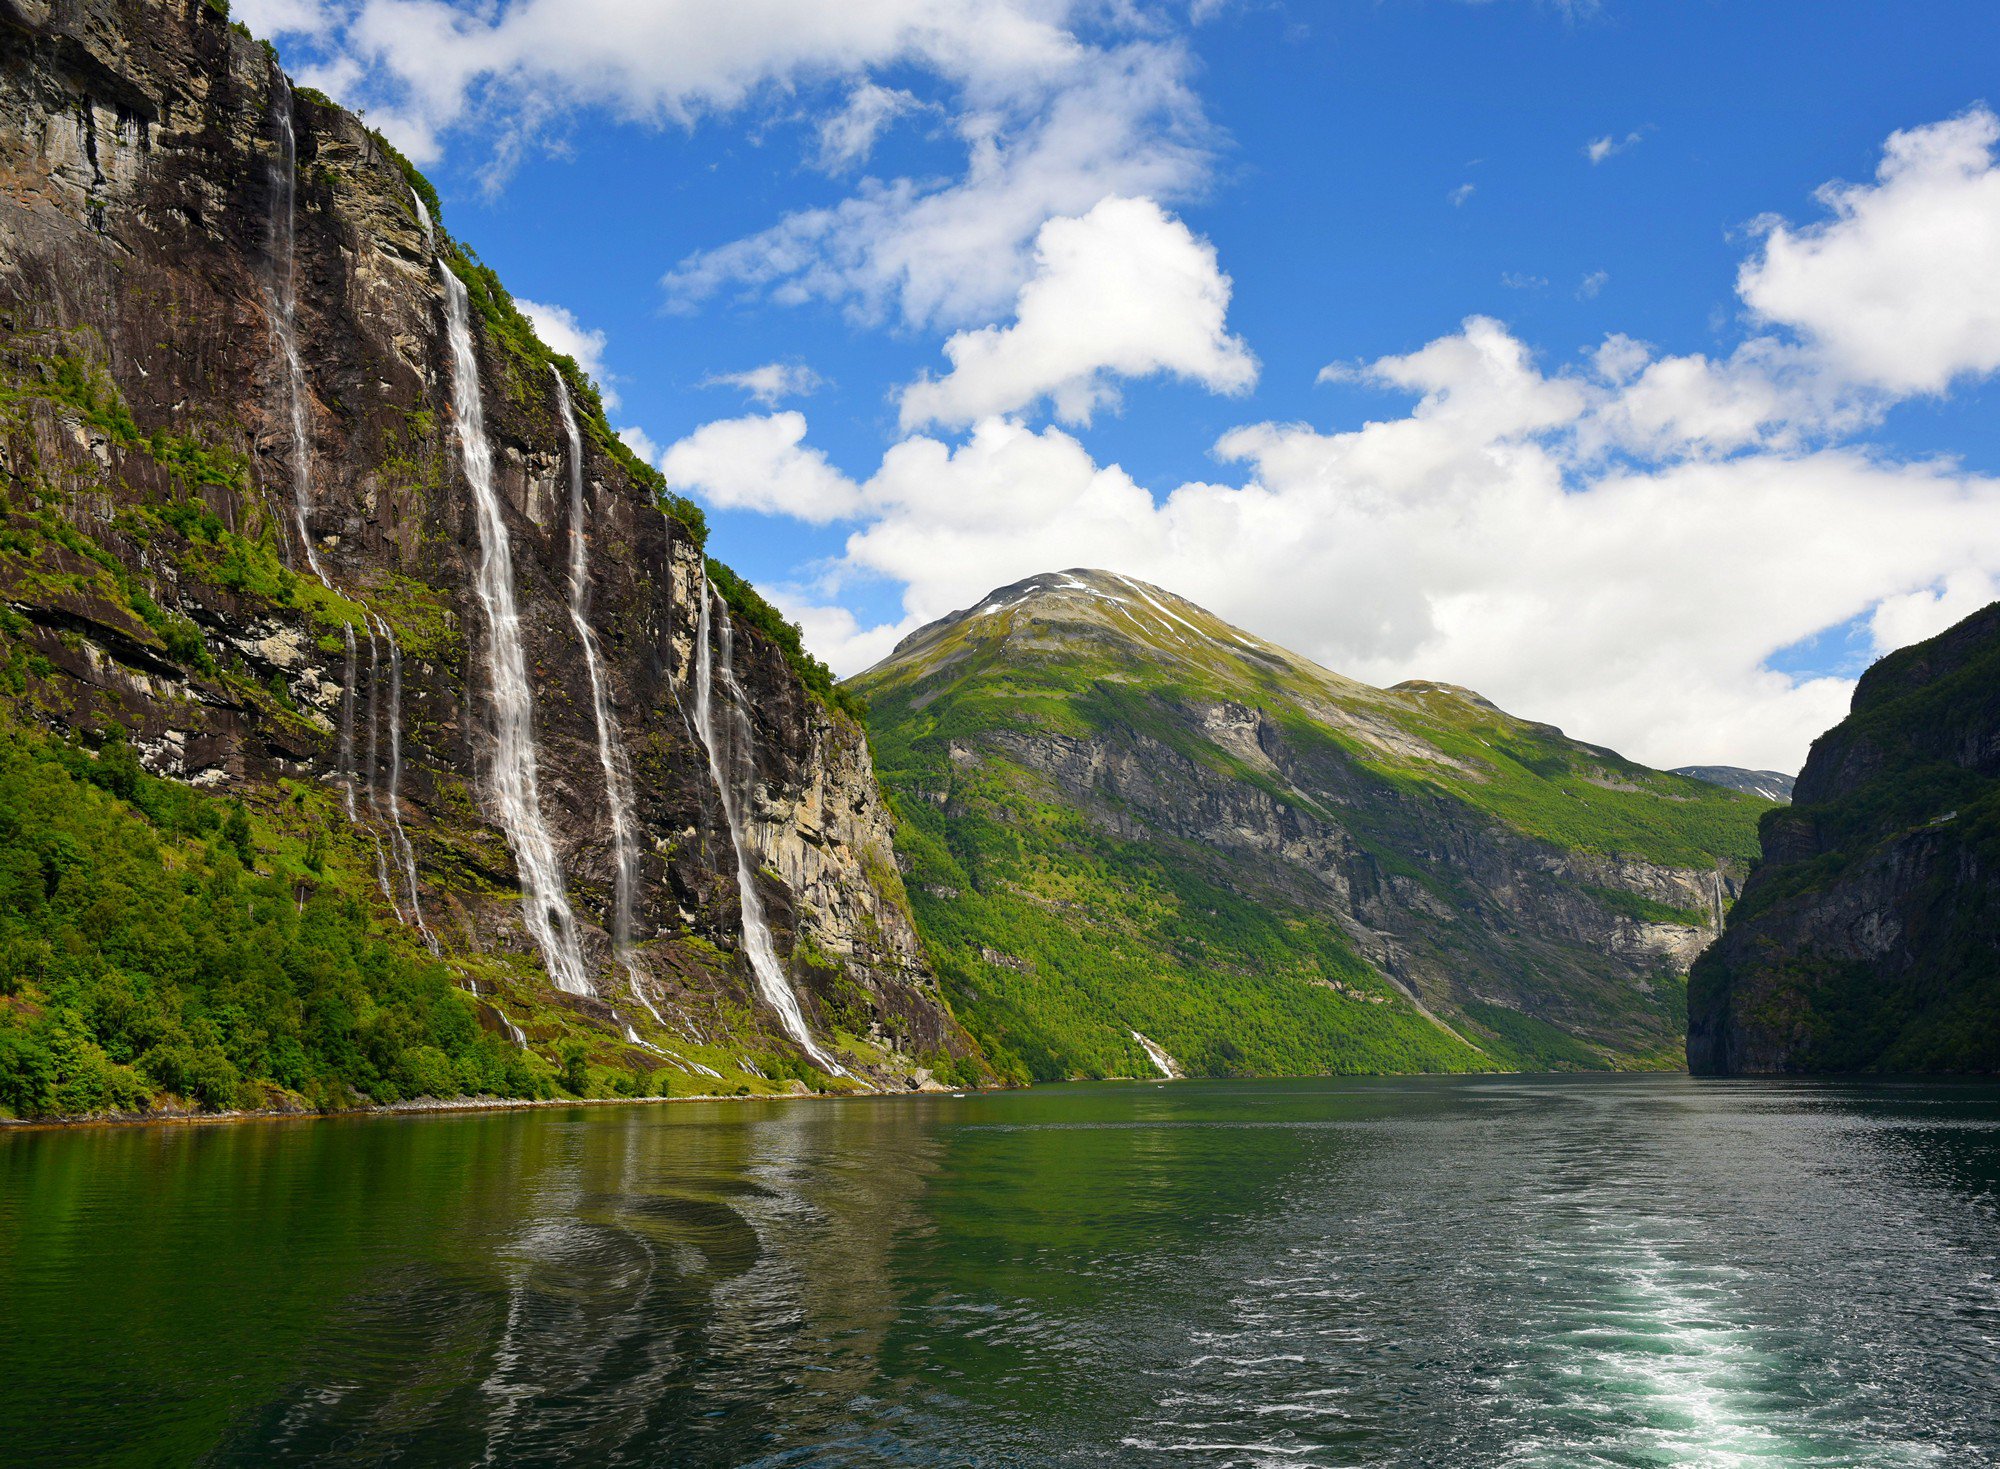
(1630, 424)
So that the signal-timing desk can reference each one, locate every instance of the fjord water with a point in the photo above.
(1441, 1272)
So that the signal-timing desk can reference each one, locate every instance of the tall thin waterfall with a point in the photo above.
(610, 740)
(728, 750)
(284, 302)
(516, 783)
(406, 857)
(347, 723)
(375, 772)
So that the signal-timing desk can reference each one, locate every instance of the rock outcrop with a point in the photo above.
(1868, 937)
(238, 528)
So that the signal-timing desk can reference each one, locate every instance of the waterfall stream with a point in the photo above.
(346, 749)
(283, 306)
(375, 772)
(406, 857)
(516, 781)
(728, 750)
(610, 740)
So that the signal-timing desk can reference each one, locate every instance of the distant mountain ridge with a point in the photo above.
(1129, 826)
(1868, 938)
(1772, 785)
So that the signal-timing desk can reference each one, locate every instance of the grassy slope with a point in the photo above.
(1091, 936)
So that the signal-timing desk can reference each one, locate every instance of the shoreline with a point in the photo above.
(424, 1106)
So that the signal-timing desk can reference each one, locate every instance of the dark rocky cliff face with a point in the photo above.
(1868, 937)
(160, 556)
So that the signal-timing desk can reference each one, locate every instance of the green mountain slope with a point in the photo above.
(1125, 821)
(1868, 938)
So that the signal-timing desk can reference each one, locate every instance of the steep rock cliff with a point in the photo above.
(1127, 822)
(1868, 938)
(239, 529)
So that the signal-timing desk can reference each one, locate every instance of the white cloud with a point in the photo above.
(1599, 149)
(848, 136)
(1120, 121)
(1619, 545)
(562, 332)
(1124, 291)
(1460, 194)
(759, 463)
(1588, 288)
(771, 383)
(1899, 289)
(1898, 622)
(273, 18)
(641, 443)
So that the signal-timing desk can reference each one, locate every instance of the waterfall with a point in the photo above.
(516, 782)
(610, 740)
(727, 749)
(375, 772)
(347, 723)
(424, 219)
(283, 305)
(406, 856)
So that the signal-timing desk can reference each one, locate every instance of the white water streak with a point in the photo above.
(727, 750)
(1166, 1065)
(611, 755)
(283, 311)
(516, 779)
(346, 757)
(375, 772)
(406, 857)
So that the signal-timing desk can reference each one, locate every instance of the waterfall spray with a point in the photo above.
(516, 781)
(728, 748)
(283, 309)
(610, 739)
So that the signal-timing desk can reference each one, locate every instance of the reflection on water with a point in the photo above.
(1525, 1272)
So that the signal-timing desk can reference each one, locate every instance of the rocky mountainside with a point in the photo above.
(1770, 785)
(1139, 840)
(303, 521)
(1868, 937)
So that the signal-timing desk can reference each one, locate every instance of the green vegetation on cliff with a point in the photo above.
(158, 941)
(1118, 813)
(1869, 937)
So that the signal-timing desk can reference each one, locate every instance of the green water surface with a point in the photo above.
(1591, 1271)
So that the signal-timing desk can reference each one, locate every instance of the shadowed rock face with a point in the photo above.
(1538, 896)
(149, 456)
(1868, 937)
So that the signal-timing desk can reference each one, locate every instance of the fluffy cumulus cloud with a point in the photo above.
(770, 384)
(1123, 291)
(1054, 104)
(1899, 288)
(559, 327)
(1620, 545)
(761, 463)
(1110, 120)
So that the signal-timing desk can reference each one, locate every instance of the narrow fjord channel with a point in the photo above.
(1527, 1271)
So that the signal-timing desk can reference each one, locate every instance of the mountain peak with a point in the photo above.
(1133, 623)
